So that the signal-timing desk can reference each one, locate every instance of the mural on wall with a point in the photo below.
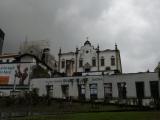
(14, 73)
(22, 74)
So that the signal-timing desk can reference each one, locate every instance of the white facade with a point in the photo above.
(89, 59)
(99, 83)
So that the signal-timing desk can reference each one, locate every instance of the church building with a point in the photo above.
(89, 60)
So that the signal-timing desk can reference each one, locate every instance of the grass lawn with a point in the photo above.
(99, 116)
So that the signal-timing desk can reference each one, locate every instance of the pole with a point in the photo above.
(29, 80)
(14, 85)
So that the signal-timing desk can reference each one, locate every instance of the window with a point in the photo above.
(154, 89)
(87, 69)
(81, 91)
(108, 68)
(102, 61)
(63, 63)
(1, 61)
(93, 91)
(93, 61)
(49, 89)
(140, 89)
(80, 62)
(65, 91)
(112, 61)
(107, 90)
(122, 90)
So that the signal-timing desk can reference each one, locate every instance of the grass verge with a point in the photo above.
(98, 116)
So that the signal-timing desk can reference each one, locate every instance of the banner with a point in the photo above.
(14, 73)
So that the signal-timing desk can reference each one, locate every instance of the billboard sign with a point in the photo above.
(17, 73)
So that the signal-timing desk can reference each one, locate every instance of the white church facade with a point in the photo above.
(90, 60)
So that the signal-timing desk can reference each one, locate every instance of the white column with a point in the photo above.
(100, 89)
(131, 89)
(87, 95)
(57, 91)
(73, 89)
(147, 91)
(114, 89)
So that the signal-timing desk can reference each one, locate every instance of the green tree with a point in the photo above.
(39, 72)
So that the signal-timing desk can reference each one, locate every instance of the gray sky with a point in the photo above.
(133, 24)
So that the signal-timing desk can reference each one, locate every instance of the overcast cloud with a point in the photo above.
(133, 24)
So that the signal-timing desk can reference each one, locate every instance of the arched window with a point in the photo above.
(113, 61)
(93, 61)
(102, 61)
(80, 62)
(63, 63)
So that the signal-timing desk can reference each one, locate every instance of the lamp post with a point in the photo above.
(14, 84)
(29, 78)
